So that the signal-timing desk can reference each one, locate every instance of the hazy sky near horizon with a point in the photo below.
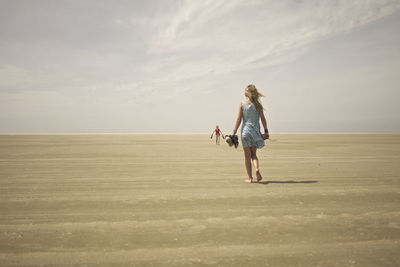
(182, 66)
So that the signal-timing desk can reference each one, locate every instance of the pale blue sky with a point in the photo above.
(182, 66)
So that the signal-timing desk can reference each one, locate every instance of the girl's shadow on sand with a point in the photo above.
(287, 182)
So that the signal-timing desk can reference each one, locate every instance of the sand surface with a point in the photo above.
(180, 200)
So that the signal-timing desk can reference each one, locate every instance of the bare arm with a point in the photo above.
(239, 119)
(264, 122)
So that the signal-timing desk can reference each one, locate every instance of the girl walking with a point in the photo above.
(217, 132)
(251, 111)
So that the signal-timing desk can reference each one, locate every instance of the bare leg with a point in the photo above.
(217, 139)
(247, 162)
(254, 159)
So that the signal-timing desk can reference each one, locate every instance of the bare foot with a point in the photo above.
(248, 180)
(259, 177)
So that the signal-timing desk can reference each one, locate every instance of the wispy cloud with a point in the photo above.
(187, 40)
(143, 51)
(215, 38)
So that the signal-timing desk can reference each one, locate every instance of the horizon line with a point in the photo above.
(182, 133)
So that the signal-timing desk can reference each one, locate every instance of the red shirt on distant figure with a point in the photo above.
(217, 132)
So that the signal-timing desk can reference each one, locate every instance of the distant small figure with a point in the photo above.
(217, 132)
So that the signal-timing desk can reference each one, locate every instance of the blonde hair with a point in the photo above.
(254, 96)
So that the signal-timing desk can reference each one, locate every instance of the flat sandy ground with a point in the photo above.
(180, 200)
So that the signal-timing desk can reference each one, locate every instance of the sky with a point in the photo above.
(182, 66)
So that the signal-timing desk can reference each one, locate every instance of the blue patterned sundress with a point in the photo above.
(250, 132)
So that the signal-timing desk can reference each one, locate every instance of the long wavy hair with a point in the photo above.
(254, 96)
